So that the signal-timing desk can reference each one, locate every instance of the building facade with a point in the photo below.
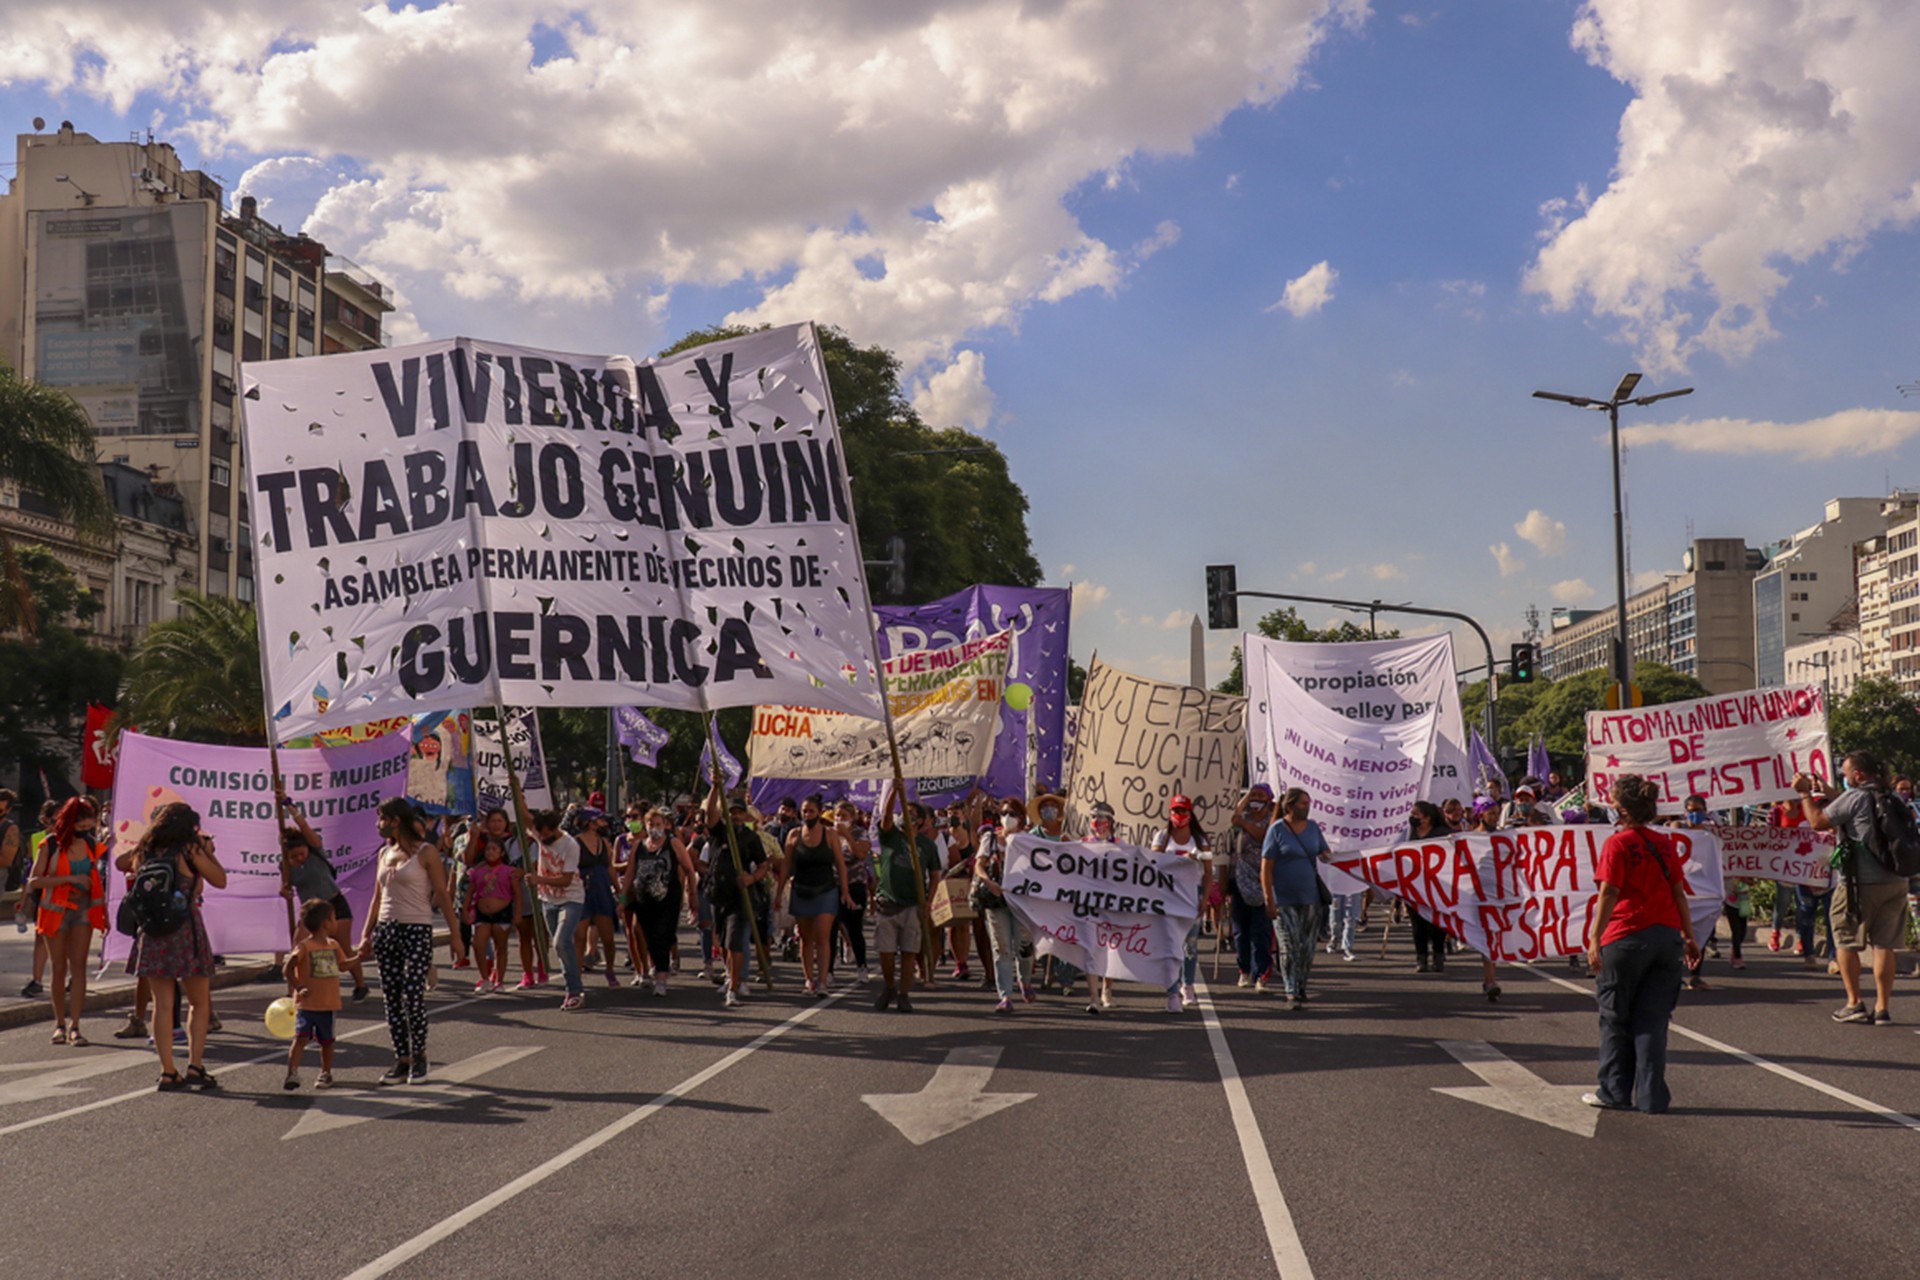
(1809, 586)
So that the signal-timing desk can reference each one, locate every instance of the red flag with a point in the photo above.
(97, 750)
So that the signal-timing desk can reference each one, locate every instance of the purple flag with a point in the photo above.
(730, 769)
(639, 735)
(1481, 763)
(1539, 763)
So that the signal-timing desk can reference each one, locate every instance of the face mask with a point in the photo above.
(1049, 812)
(656, 834)
(636, 825)
(813, 822)
(1011, 821)
(1695, 818)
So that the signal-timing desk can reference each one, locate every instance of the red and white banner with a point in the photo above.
(1790, 855)
(1734, 749)
(1114, 910)
(1526, 894)
(97, 750)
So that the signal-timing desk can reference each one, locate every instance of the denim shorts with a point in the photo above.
(804, 905)
(313, 1024)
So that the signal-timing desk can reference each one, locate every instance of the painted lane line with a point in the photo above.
(63, 1077)
(408, 1250)
(1289, 1258)
(277, 1055)
(1755, 1060)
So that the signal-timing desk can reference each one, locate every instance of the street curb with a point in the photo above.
(26, 1012)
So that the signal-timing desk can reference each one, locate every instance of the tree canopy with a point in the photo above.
(47, 450)
(1877, 716)
(197, 676)
(946, 491)
(48, 678)
(1558, 708)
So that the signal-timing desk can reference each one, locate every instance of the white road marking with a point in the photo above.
(344, 1108)
(407, 1250)
(1289, 1258)
(179, 1053)
(955, 1097)
(1754, 1060)
(1508, 1086)
(62, 1075)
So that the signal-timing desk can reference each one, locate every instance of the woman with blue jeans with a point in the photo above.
(1183, 838)
(563, 898)
(1290, 887)
(1252, 931)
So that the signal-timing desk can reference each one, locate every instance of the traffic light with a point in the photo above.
(1520, 659)
(897, 567)
(1223, 606)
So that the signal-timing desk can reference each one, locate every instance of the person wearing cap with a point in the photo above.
(733, 887)
(1252, 931)
(1049, 812)
(1100, 831)
(1183, 838)
(1526, 809)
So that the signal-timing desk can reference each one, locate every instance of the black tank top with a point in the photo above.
(813, 865)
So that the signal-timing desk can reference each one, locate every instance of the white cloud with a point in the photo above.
(902, 172)
(1089, 595)
(1503, 556)
(1848, 433)
(1401, 378)
(1306, 569)
(1067, 570)
(958, 395)
(1178, 618)
(1164, 236)
(1335, 576)
(1387, 572)
(1573, 591)
(1760, 137)
(1548, 536)
(1308, 293)
(1233, 180)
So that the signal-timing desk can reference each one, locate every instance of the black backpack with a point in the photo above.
(155, 904)
(1894, 837)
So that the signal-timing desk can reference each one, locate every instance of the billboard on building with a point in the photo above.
(118, 305)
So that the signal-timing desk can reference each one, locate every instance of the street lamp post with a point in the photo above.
(1622, 394)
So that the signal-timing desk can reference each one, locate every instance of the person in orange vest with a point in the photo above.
(73, 904)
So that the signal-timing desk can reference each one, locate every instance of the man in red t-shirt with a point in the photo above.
(1640, 944)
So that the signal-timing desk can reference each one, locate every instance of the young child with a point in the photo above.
(313, 969)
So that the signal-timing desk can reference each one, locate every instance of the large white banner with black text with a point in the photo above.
(1115, 910)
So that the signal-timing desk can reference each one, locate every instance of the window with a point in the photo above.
(1793, 617)
(220, 472)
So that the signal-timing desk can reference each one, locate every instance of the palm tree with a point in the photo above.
(197, 676)
(46, 448)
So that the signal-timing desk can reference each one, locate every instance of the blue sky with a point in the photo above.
(1078, 225)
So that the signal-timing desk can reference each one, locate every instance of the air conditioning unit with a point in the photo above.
(224, 544)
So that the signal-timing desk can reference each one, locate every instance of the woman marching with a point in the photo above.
(588, 827)
(408, 890)
(655, 884)
(173, 948)
(73, 905)
(1290, 885)
(1012, 958)
(1183, 837)
(1429, 940)
(852, 920)
(818, 856)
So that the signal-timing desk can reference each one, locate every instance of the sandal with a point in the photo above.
(77, 1041)
(197, 1078)
(170, 1082)
(60, 1035)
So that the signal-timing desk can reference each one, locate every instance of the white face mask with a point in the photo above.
(1012, 822)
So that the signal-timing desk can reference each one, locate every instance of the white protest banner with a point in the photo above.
(492, 787)
(1139, 742)
(1363, 775)
(1734, 749)
(1525, 894)
(1379, 682)
(464, 523)
(946, 713)
(231, 788)
(1115, 910)
(1790, 855)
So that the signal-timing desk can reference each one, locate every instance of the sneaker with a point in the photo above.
(292, 1082)
(1093, 1009)
(1106, 999)
(1596, 1101)
(575, 1000)
(395, 1074)
(1773, 940)
(903, 1004)
(417, 1074)
(525, 983)
(1066, 989)
(360, 992)
(1853, 1013)
(1027, 992)
(611, 980)
(1174, 1003)
(729, 999)
(1005, 1006)
(1882, 1018)
(134, 1030)
(884, 999)
(1421, 966)
(1346, 953)
(866, 975)
(1737, 963)
(213, 1024)
(324, 1080)
(659, 986)
(481, 987)
(1295, 1002)
(1188, 996)
(31, 990)
(463, 962)
(702, 975)
(1245, 981)
(540, 978)
(496, 985)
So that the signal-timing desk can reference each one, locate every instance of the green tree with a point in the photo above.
(947, 492)
(1558, 708)
(46, 448)
(197, 676)
(1877, 717)
(1286, 624)
(47, 678)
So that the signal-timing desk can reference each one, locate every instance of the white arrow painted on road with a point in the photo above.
(952, 1100)
(344, 1108)
(1512, 1088)
(66, 1075)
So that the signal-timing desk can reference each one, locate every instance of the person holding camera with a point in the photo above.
(183, 955)
(1869, 904)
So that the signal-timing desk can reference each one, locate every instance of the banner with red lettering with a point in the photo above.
(1526, 894)
(1790, 855)
(1734, 749)
(97, 750)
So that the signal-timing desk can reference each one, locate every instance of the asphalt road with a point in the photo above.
(674, 1137)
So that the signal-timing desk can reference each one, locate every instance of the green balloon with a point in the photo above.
(1019, 696)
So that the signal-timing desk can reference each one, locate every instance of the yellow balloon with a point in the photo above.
(1019, 696)
(280, 1015)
